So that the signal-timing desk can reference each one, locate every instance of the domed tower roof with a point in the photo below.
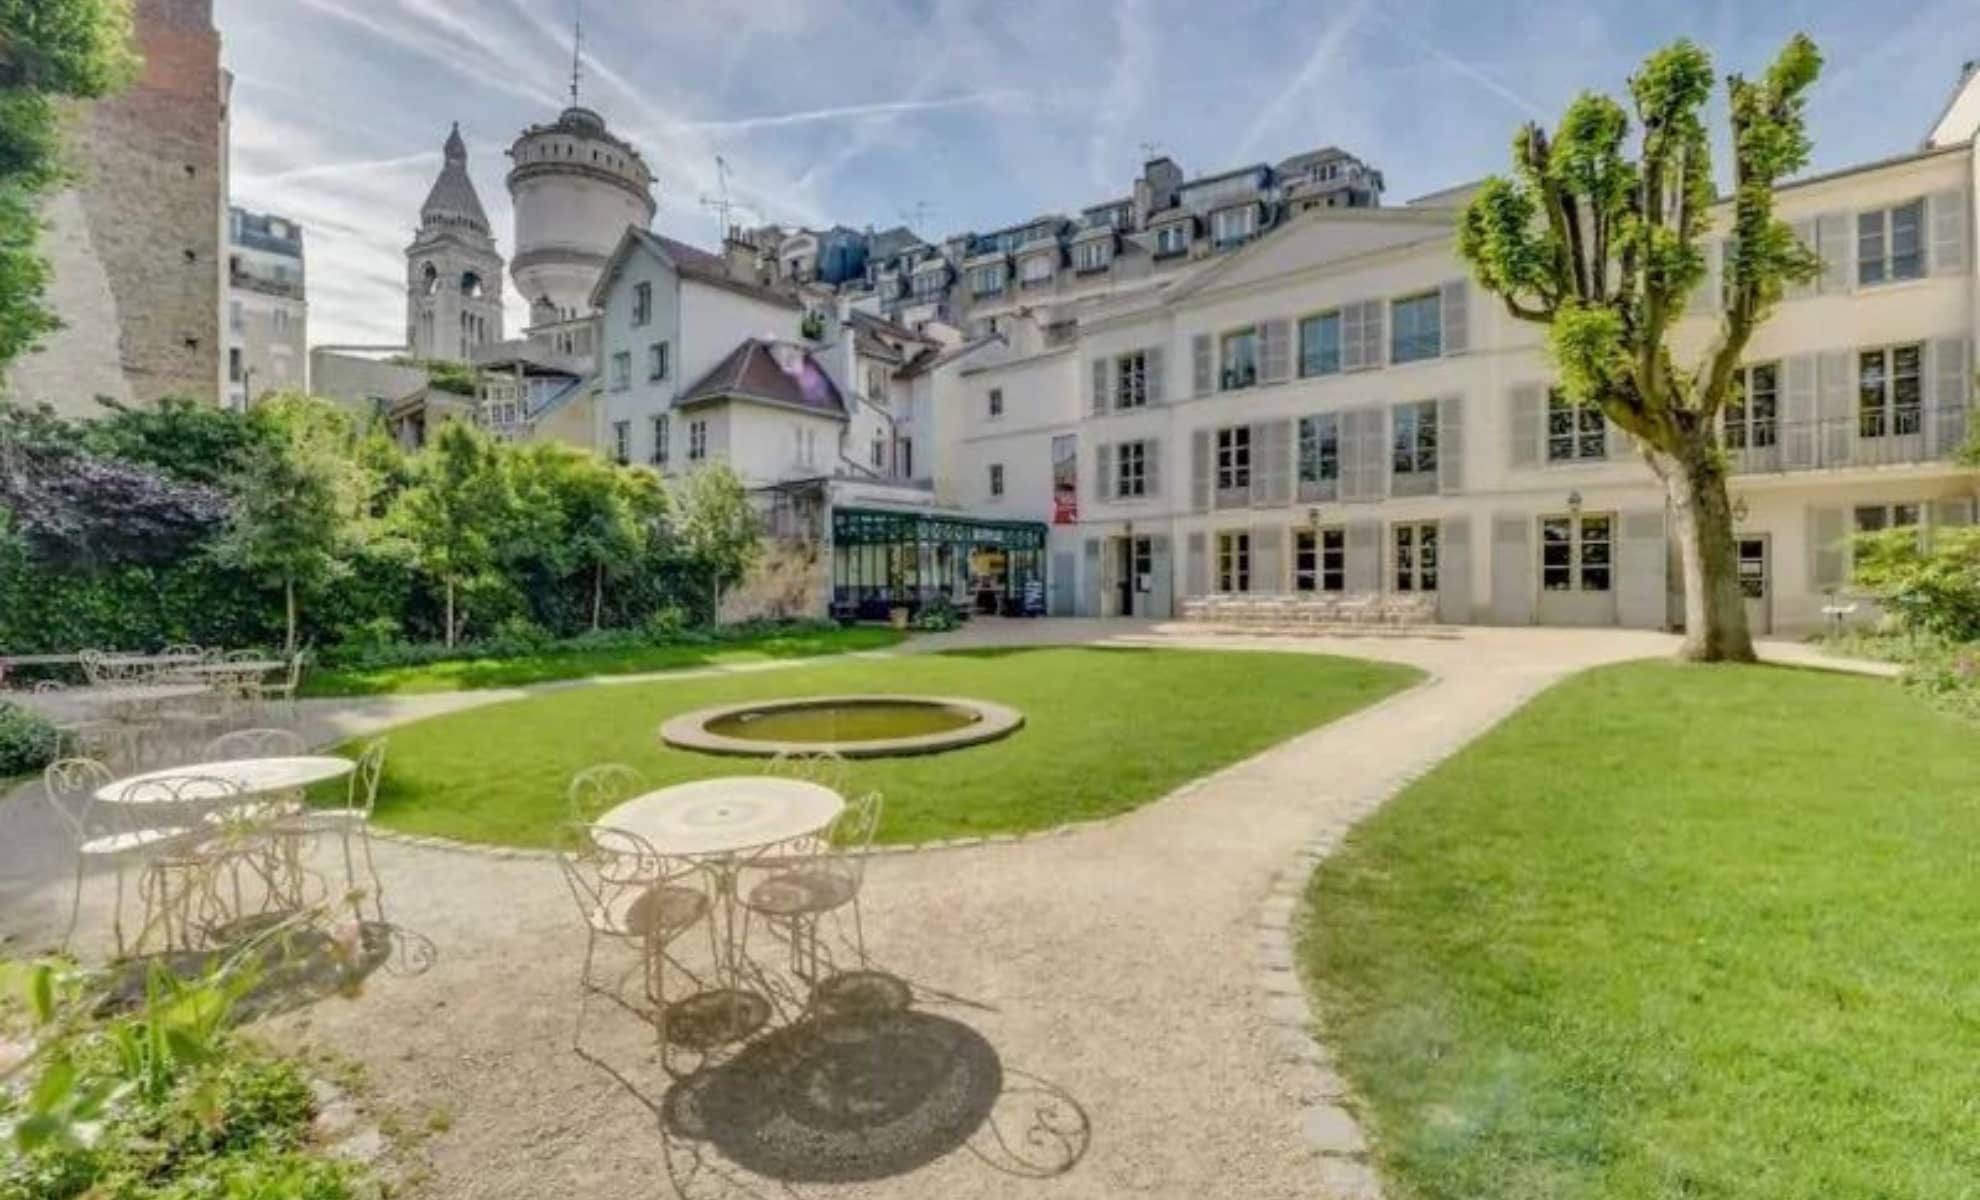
(453, 197)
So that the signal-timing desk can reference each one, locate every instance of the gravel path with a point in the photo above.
(1115, 968)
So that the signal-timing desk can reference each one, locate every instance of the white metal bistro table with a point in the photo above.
(248, 776)
(252, 666)
(727, 824)
(115, 696)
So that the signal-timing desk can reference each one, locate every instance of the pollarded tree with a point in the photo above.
(716, 530)
(1599, 238)
(461, 496)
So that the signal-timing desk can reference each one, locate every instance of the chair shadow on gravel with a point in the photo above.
(868, 1084)
(293, 970)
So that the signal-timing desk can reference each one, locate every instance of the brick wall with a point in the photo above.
(149, 213)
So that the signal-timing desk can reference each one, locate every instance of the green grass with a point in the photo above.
(1106, 730)
(475, 673)
(1670, 932)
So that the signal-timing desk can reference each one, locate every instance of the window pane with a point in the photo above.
(1595, 579)
(1907, 243)
(1417, 331)
(1903, 515)
(1320, 345)
(1870, 267)
(1871, 518)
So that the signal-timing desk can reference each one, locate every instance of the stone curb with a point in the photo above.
(890, 850)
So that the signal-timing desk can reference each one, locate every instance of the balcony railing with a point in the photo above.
(1876, 439)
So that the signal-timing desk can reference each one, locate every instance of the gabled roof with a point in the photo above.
(875, 323)
(782, 374)
(930, 360)
(453, 193)
(691, 261)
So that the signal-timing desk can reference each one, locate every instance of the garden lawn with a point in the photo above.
(476, 673)
(1670, 931)
(1105, 730)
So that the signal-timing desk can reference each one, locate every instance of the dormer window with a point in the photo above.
(1230, 226)
(1092, 256)
(1172, 239)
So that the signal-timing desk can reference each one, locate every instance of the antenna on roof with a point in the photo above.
(577, 48)
(1150, 151)
(917, 216)
(720, 204)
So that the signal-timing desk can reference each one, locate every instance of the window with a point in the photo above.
(1875, 518)
(1320, 448)
(697, 440)
(621, 441)
(642, 313)
(996, 480)
(987, 280)
(929, 284)
(1240, 360)
(1888, 391)
(1172, 239)
(876, 384)
(1320, 345)
(281, 322)
(1131, 474)
(656, 361)
(660, 432)
(235, 318)
(1231, 225)
(906, 465)
(1575, 432)
(1035, 270)
(1141, 552)
(1320, 560)
(996, 403)
(1416, 557)
(879, 453)
(1131, 381)
(1234, 458)
(1416, 328)
(1890, 244)
(1092, 256)
(622, 370)
(1750, 412)
(234, 364)
(1415, 438)
(1574, 553)
(1233, 562)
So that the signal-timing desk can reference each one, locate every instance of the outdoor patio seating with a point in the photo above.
(796, 893)
(351, 825)
(1316, 613)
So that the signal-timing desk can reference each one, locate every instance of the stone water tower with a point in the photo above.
(576, 186)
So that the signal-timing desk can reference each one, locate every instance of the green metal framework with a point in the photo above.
(884, 559)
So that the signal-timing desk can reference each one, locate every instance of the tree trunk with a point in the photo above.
(289, 603)
(597, 594)
(450, 614)
(1715, 627)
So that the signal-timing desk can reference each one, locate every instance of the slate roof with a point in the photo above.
(778, 373)
(453, 194)
(695, 263)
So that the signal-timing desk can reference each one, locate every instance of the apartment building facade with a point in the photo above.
(1335, 407)
(267, 307)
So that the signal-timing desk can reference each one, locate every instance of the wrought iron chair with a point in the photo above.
(350, 824)
(110, 833)
(260, 693)
(827, 768)
(260, 743)
(627, 892)
(797, 893)
(595, 791)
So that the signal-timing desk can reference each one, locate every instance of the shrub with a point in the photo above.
(939, 616)
(27, 741)
(1929, 587)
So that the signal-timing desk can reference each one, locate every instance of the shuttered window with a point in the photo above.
(1238, 360)
(1234, 458)
(1416, 556)
(1320, 345)
(1131, 381)
(1320, 560)
(1319, 449)
(1234, 562)
(1576, 553)
(1575, 432)
(1416, 328)
(1413, 448)
(1890, 244)
(1889, 391)
(1131, 470)
(1751, 416)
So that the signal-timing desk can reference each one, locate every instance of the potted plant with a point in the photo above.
(898, 610)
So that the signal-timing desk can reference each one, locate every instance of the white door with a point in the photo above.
(1756, 580)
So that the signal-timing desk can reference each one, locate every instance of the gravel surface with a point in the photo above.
(1112, 969)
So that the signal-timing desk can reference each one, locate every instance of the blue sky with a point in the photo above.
(970, 113)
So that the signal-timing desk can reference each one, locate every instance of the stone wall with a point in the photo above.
(136, 246)
(789, 580)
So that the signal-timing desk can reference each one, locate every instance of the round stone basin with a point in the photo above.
(853, 726)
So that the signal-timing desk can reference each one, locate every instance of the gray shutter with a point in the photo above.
(1374, 322)
(1162, 578)
(1196, 566)
(1454, 570)
(1798, 428)
(1454, 316)
(1804, 232)
(1948, 221)
(1089, 583)
(1834, 406)
(1642, 563)
(1512, 569)
(1151, 466)
(1199, 471)
(1351, 337)
(1526, 423)
(1375, 453)
(1271, 462)
(1364, 556)
(1267, 568)
(1450, 444)
(1275, 351)
(1828, 549)
(1616, 443)
(1952, 511)
(1833, 241)
(1710, 292)
(1103, 464)
(1102, 378)
(1347, 430)
(1205, 363)
(1948, 398)
(1158, 384)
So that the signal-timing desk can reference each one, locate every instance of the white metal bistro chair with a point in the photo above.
(796, 893)
(628, 893)
(827, 768)
(351, 826)
(285, 690)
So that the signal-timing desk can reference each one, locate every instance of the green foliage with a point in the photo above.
(937, 617)
(49, 49)
(716, 529)
(1928, 586)
(450, 516)
(443, 375)
(27, 741)
(162, 1102)
(184, 438)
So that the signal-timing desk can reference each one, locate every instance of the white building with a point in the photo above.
(1336, 408)
(267, 307)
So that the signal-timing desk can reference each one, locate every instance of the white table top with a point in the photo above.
(256, 666)
(79, 700)
(714, 817)
(253, 776)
